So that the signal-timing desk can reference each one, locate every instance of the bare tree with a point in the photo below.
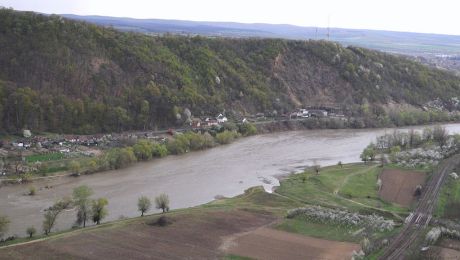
(162, 202)
(52, 213)
(440, 135)
(414, 138)
(31, 231)
(143, 204)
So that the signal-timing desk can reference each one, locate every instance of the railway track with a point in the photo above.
(419, 219)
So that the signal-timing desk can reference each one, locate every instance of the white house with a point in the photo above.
(303, 113)
(221, 119)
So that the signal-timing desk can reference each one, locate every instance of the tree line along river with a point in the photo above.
(194, 178)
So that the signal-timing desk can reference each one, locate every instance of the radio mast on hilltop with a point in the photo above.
(328, 26)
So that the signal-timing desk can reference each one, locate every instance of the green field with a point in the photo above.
(352, 186)
(448, 205)
(44, 157)
(330, 232)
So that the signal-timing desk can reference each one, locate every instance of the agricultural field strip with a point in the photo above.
(337, 195)
(345, 180)
(413, 229)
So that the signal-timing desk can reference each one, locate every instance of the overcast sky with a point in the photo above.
(429, 16)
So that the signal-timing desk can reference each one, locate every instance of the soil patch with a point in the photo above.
(452, 210)
(441, 253)
(266, 243)
(445, 249)
(195, 235)
(398, 186)
(450, 243)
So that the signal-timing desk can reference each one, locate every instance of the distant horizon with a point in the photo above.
(411, 16)
(248, 23)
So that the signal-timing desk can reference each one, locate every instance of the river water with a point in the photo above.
(194, 178)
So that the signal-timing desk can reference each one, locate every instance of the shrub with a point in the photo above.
(4, 223)
(143, 150)
(433, 235)
(230, 126)
(196, 141)
(74, 167)
(368, 154)
(120, 157)
(179, 145)
(226, 137)
(440, 135)
(159, 150)
(32, 191)
(366, 246)
(247, 129)
(342, 217)
(393, 152)
(208, 140)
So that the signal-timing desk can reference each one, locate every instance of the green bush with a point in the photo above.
(119, 158)
(159, 150)
(143, 150)
(247, 129)
(196, 141)
(179, 145)
(226, 137)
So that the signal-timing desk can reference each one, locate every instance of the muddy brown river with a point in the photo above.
(194, 178)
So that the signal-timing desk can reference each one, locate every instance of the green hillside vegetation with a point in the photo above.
(60, 75)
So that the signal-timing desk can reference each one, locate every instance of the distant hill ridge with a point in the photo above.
(63, 75)
(391, 41)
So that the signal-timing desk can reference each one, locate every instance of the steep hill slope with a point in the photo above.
(68, 76)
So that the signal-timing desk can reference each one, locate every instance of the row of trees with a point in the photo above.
(398, 140)
(87, 209)
(161, 202)
(144, 150)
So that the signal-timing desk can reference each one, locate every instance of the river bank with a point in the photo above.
(195, 178)
(229, 219)
(253, 200)
(261, 127)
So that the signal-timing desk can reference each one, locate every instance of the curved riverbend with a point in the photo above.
(195, 178)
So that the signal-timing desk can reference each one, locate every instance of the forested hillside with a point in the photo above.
(61, 75)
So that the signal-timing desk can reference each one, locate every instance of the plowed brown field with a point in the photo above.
(189, 236)
(398, 186)
(266, 243)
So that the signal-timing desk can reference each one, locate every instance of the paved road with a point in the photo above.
(419, 219)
